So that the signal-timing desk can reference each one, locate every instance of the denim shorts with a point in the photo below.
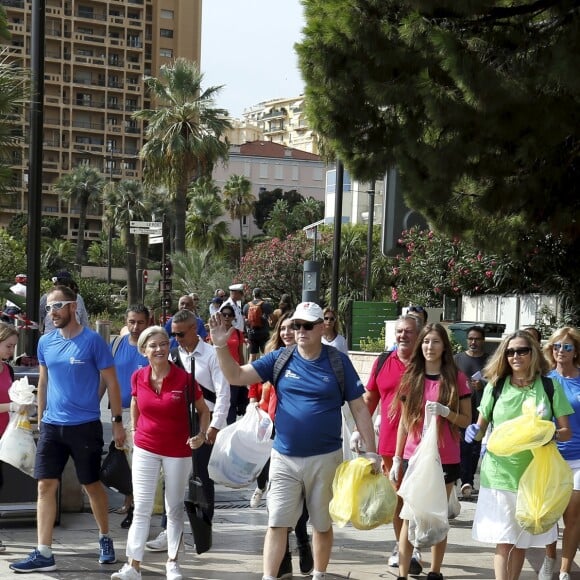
(84, 443)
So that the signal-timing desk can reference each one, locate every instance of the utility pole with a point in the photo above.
(368, 289)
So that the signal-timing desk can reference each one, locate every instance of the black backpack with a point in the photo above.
(333, 356)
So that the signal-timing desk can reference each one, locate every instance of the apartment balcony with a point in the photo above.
(100, 39)
(90, 15)
(13, 3)
(274, 130)
(275, 114)
(16, 27)
(89, 125)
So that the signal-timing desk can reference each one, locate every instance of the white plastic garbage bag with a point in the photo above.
(242, 449)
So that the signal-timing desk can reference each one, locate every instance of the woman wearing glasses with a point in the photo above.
(238, 394)
(159, 410)
(519, 364)
(563, 354)
(331, 334)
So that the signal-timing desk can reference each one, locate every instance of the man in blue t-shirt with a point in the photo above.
(188, 302)
(308, 444)
(128, 359)
(72, 360)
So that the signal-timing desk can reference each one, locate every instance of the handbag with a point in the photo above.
(196, 502)
(115, 471)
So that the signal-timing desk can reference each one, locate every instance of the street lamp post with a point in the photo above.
(111, 226)
(368, 292)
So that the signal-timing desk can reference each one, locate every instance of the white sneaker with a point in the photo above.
(127, 572)
(173, 571)
(319, 576)
(466, 490)
(393, 560)
(159, 544)
(547, 570)
(256, 498)
(564, 576)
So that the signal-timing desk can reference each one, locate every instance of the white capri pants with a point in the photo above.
(146, 467)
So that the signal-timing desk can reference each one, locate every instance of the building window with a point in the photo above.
(263, 171)
(317, 174)
(247, 170)
(166, 33)
(166, 52)
(279, 172)
(167, 14)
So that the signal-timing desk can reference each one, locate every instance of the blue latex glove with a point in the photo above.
(472, 432)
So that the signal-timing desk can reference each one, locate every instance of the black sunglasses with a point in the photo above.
(510, 352)
(178, 334)
(304, 325)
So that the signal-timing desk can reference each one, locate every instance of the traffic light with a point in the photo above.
(165, 284)
(396, 215)
(166, 269)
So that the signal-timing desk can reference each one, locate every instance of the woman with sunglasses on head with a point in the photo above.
(332, 336)
(563, 353)
(238, 394)
(431, 383)
(519, 365)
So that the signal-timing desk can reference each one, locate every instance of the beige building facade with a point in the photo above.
(283, 121)
(96, 55)
(270, 166)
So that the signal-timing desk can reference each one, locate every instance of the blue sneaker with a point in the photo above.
(35, 562)
(106, 551)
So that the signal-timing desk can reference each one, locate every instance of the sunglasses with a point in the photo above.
(329, 318)
(416, 309)
(228, 315)
(54, 306)
(304, 325)
(564, 347)
(524, 351)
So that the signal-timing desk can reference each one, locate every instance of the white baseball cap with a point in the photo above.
(237, 287)
(308, 311)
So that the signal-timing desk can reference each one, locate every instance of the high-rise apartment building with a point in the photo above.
(283, 121)
(96, 55)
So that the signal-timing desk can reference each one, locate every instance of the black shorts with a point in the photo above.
(84, 443)
(451, 471)
(258, 340)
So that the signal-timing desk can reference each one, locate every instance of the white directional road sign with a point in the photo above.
(153, 225)
(152, 231)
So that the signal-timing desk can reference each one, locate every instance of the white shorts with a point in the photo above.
(574, 465)
(296, 479)
(495, 522)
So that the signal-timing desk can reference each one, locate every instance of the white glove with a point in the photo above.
(437, 409)
(16, 408)
(356, 443)
(377, 424)
(395, 469)
(377, 461)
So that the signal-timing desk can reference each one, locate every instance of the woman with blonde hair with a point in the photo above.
(563, 353)
(433, 384)
(518, 366)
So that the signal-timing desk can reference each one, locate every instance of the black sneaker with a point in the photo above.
(305, 558)
(285, 570)
(434, 576)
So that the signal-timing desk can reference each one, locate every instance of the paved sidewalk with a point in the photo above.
(238, 539)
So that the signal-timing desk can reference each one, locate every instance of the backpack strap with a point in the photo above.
(115, 343)
(381, 362)
(548, 385)
(333, 356)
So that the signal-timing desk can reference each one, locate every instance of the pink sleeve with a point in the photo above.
(134, 382)
(463, 385)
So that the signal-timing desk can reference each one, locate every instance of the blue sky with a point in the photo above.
(247, 45)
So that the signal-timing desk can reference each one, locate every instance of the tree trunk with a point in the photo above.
(180, 211)
(241, 241)
(81, 234)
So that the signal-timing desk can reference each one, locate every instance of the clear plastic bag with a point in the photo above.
(424, 494)
(17, 446)
(242, 449)
(544, 490)
(360, 496)
(453, 506)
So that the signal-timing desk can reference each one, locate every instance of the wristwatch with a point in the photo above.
(117, 419)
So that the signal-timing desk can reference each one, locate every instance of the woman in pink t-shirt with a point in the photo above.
(431, 380)
(160, 417)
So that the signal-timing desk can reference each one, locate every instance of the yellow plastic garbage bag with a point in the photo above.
(528, 431)
(544, 490)
(361, 497)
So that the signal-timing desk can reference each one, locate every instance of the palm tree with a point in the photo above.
(239, 201)
(205, 208)
(183, 134)
(84, 187)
